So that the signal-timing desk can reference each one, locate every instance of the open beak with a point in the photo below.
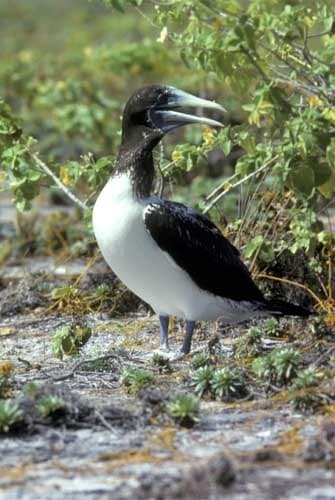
(167, 118)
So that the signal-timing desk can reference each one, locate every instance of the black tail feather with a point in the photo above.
(280, 307)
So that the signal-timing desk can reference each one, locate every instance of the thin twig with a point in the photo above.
(104, 421)
(25, 362)
(238, 183)
(318, 35)
(57, 181)
(248, 216)
(220, 186)
(294, 283)
(77, 365)
(254, 62)
(324, 356)
(170, 164)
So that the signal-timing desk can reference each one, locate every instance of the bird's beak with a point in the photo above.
(167, 118)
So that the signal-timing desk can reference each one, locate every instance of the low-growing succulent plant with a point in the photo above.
(162, 363)
(262, 367)
(135, 378)
(280, 366)
(31, 389)
(249, 344)
(228, 384)
(51, 406)
(184, 408)
(201, 379)
(199, 360)
(102, 291)
(304, 393)
(271, 327)
(10, 414)
(285, 362)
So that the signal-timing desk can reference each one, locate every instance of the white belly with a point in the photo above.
(145, 269)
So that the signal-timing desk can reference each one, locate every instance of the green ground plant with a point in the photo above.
(250, 344)
(200, 359)
(10, 414)
(184, 408)
(228, 384)
(202, 379)
(279, 367)
(51, 406)
(31, 389)
(224, 383)
(304, 394)
(271, 327)
(135, 378)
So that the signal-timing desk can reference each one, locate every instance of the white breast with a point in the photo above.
(145, 269)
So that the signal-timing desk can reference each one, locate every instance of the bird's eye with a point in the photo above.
(141, 118)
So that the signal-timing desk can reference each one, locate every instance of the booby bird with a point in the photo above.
(168, 254)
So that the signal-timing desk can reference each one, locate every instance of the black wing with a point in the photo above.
(198, 247)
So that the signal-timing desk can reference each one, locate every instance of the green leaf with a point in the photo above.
(249, 144)
(322, 173)
(117, 4)
(303, 179)
(253, 246)
(227, 146)
(328, 23)
(330, 153)
(266, 253)
(189, 163)
(68, 345)
(328, 188)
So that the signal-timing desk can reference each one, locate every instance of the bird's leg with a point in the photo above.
(188, 337)
(164, 332)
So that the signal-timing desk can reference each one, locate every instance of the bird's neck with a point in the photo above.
(135, 160)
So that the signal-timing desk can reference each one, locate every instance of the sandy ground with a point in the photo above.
(118, 445)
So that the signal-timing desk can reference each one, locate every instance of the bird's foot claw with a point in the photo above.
(170, 355)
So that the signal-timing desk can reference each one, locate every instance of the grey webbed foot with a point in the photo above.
(188, 337)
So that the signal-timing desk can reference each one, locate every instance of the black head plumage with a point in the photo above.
(149, 114)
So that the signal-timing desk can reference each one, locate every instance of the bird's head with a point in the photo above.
(156, 110)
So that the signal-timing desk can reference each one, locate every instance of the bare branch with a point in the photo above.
(254, 62)
(77, 365)
(318, 35)
(57, 181)
(238, 183)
